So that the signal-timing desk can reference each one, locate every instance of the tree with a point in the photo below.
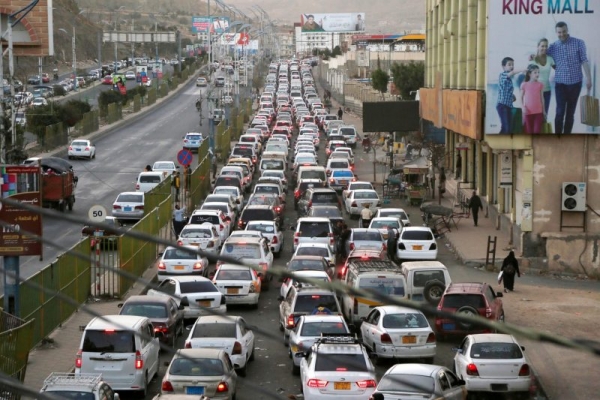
(72, 111)
(337, 51)
(380, 79)
(408, 77)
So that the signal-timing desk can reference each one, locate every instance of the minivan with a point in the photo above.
(123, 348)
(148, 180)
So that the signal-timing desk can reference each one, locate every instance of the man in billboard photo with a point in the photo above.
(360, 23)
(310, 25)
(506, 95)
(570, 58)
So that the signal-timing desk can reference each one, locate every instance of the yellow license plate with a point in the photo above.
(343, 182)
(417, 247)
(179, 267)
(409, 339)
(233, 291)
(193, 244)
(341, 385)
(204, 303)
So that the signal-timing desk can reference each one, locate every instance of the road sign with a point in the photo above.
(97, 213)
(184, 157)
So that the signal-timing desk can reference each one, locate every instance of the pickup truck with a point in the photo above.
(426, 281)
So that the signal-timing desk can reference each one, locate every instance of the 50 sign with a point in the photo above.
(97, 213)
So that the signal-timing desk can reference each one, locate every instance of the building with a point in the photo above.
(519, 176)
(307, 41)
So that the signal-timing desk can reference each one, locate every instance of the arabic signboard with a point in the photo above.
(21, 184)
(461, 112)
(333, 22)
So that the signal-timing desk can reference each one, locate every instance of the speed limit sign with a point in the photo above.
(97, 213)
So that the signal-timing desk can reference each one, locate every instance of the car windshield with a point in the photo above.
(341, 363)
(234, 275)
(347, 131)
(241, 251)
(384, 224)
(387, 286)
(312, 251)
(71, 394)
(108, 341)
(196, 367)
(417, 235)
(179, 254)
(397, 214)
(407, 384)
(367, 236)
(244, 152)
(359, 186)
(144, 310)
(327, 197)
(342, 174)
(130, 198)
(405, 320)
(496, 351)
(314, 229)
(338, 164)
(221, 190)
(197, 287)
(460, 300)
(309, 302)
(214, 330)
(306, 265)
(79, 143)
(316, 328)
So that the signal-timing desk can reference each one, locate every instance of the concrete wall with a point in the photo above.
(32, 29)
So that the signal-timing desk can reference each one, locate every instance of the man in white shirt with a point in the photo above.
(366, 215)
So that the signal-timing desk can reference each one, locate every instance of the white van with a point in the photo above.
(147, 181)
(382, 276)
(123, 348)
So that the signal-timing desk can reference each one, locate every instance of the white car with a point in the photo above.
(394, 212)
(382, 223)
(197, 294)
(225, 332)
(492, 362)
(215, 217)
(254, 252)
(357, 185)
(234, 192)
(178, 262)
(421, 381)
(315, 249)
(239, 283)
(337, 369)
(310, 274)
(226, 208)
(204, 237)
(365, 238)
(358, 198)
(39, 101)
(269, 230)
(398, 332)
(348, 151)
(130, 75)
(166, 167)
(269, 188)
(82, 148)
(273, 173)
(227, 100)
(417, 243)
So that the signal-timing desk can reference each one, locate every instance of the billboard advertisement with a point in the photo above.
(338, 22)
(542, 75)
(216, 25)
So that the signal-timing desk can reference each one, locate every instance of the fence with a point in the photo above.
(115, 113)
(199, 184)
(222, 141)
(88, 124)
(15, 342)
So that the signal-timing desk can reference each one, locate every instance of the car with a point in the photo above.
(350, 134)
(234, 192)
(83, 386)
(204, 237)
(239, 283)
(197, 294)
(363, 254)
(421, 381)
(337, 366)
(148, 180)
(472, 299)
(357, 199)
(357, 185)
(225, 206)
(176, 262)
(39, 102)
(316, 249)
(273, 173)
(215, 217)
(340, 178)
(258, 213)
(492, 362)
(20, 119)
(81, 148)
(346, 150)
(271, 231)
(219, 81)
(107, 80)
(130, 75)
(269, 188)
(192, 141)
(365, 238)
(383, 223)
(148, 82)
(314, 230)
(166, 316)
(129, 206)
(394, 212)
(317, 196)
(417, 243)
(398, 333)
(308, 263)
(166, 167)
(309, 329)
(226, 332)
(34, 80)
(227, 100)
(199, 372)
(201, 81)
(45, 77)
(288, 282)
(224, 198)
(253, 252)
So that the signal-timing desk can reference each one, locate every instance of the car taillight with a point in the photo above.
(354, 180)
(179, 243)
(524, 371)
(401, 246)
(331, 239)
(78, 359)
(316, 383)
(188, 345)
(310, 204)
(385, 338)
(162, 329)
(384, 246)
(167, 387)
(352, 246)
(161, 265)
(184, 140)
(116, 207)
(488, 312)
(433, 246)
(353, 204)
(138, 207)
(139, 361)
(221, 227)
(431, 338)
(296, 237)
(252, 288)
(197, 266)
(70, 148)
(87, 149)
(296, 193)
(369, 383)
(472, 370)
(275, 240)
(222, 387)
(331, 180)
(263, 266)
(290, 322)
(237, 348)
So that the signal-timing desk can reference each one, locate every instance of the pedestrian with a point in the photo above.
(340, 113)
(458, 167)
(213, 163)
(391, 243)
(344, 238)
(475, 205)
(366, 214)
(510, 268)
(148, 168)
(176, 184)
(178, 219)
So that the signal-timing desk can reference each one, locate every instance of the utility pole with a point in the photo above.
(2, 141)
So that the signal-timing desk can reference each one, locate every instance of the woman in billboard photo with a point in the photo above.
(546, 65)
(532, 98)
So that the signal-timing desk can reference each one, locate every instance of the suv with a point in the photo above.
(258, 213)
(314, 230)
(350, 134)
(471, 299)
(84, 386)
(317, 196)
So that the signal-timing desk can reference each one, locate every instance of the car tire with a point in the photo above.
(281, 328)
(242, 371)
(295, 369)
(286, 339)
(433, 291)
(376, 359)
(467, 310)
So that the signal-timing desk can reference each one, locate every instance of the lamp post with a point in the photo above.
(117, 36)
(73, 56)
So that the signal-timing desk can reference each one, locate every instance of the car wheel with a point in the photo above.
(144, 392)
(376, 359)
(433, 291)
(295, 369)
(467, 311)
(242, 371)
(281, 328)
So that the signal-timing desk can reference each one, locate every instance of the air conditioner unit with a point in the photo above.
(573, 196)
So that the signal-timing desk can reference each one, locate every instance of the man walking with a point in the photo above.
(570, 57)
(340, 113)
(178, 220)
(475, 205)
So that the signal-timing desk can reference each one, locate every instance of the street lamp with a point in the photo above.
(74, 56)
(117, 36)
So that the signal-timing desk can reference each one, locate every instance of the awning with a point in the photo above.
(412, 36)
(417, 166)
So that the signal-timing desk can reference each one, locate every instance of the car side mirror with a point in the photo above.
(457, 350)
(499, 294)
(120, 305)
(460, 383)
(167, 363)
(184, 302)
(181, 306)
(279, 298)
(523, 348)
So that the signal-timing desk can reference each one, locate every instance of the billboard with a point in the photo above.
(338, 22)
(216, 25)
(542, 62)
(376, 116)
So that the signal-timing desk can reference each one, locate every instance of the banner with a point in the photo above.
(141, 74)
(216, 25)
(336, 22)
(461, 112)
(542, 58)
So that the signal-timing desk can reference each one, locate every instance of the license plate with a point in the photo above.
(341, 385)
(449, 327)
(77, 149)
(343, 182)
(204, 303)
(233, 291)
(193, 244)
(194, 390)
(179, 267)
(409, 339)
(420, 247)
(127, 208)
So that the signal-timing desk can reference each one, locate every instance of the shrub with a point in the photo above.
(72, 111)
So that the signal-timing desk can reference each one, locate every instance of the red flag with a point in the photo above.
(244, 39)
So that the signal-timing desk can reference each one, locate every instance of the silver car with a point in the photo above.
(177, 261)
(129, 206)
(364, 238)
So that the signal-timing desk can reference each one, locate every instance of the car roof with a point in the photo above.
(492, 338)
(202, 352)
(423, 265)
(414, 369)
(314, 258)
(142, 193)
(312, 244)
(217, 319)
(114, 321)
(205, 211)
(398, 309)
(148, 299)
(234, 267)
(465, 287)
(190, 278)
(235, 239)
(258, 206)
(321, 318)
(314, 219)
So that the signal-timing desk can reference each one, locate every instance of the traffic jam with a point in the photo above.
(288, 196)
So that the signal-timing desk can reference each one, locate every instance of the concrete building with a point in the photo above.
(518, 176)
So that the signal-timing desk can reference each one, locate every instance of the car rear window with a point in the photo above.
(402, 321)
(234, 275)
(197, 287)
(347, 131)
(314, 229)
(242, 250)
(200, 219)
(266, 228)
(406, 384)
(325, 198)
(193, 137)
(312, 175)
(272, 164)
(396, 214)
(79, 143)
(215, 330)
(242, 152)
(342, 174)
(365, 195)
(387, 286)
(312, 251)
(256, 215)
(179, 254)
(385, 224)
(150, 179)
(338, 164)
(223, 190)
(196, 367)
(460, 300)
(194, 233)
(309, 302)
(306, 265)
(248, 139)
(144, 310)
(496, 351)
(316, 328)
(108, 341)
(262, 200)
(219, 207)
(266, 189)
(228, 180)
(417, 235)
(367, 235)
(326, 212)
(342, 363)
(130, 198)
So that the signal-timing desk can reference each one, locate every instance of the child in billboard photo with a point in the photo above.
(506, 95)
(545, 64)
(532, 98)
